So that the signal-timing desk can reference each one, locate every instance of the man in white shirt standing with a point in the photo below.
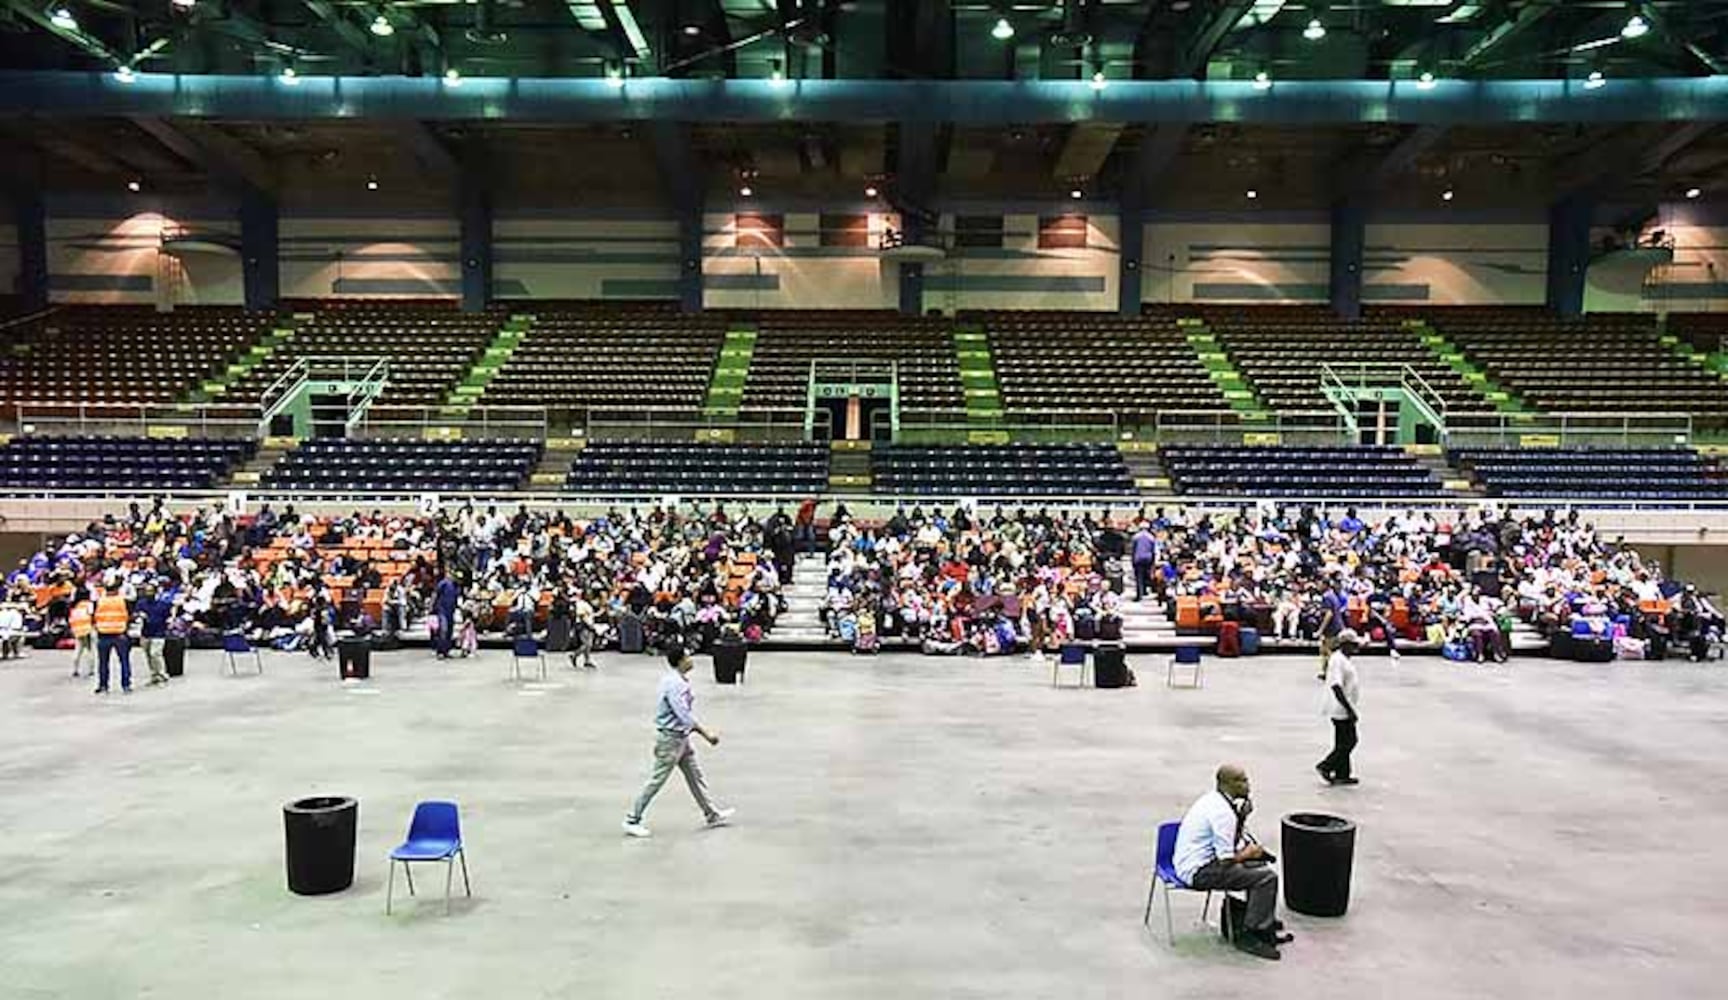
(1211, 857)
(675, 720)
(1343, 694)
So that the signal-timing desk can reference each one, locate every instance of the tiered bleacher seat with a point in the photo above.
(647, 355)
(787, 341)
(1068, 360)
(120, 462)
(1280, 350)
(1603, 363)
(1001, 470)
(418, 466)
(1594, 473)
(1230, 470)
(113, 359)
(698, 469)
(431, 346)
(1706, 333)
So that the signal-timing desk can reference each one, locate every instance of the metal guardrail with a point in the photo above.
(749, 426)
(1625, 430)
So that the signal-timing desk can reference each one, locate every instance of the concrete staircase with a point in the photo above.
(978, 379)
(213, 389)
(467, 393)
(554, 466)
(800, 626)
(731, 370)
(1433, 458)
(1238, 393)
(1504, 399)
(1146, 468)
(849, 470)
(270, 451)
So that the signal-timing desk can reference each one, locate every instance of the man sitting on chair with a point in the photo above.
(1210, 856)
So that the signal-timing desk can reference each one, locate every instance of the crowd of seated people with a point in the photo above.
(295, 581)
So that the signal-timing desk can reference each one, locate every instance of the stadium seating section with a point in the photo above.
(430, 346)
(113, 359)
(698, 469)
(1706, 333)
(125, 463)
(1069, 361)
(787, 341)
(1280, 350)
(1594, 473)
(429, 466)
(643, 355)
(1222, 470)
(1006, 470)
(1600, 364)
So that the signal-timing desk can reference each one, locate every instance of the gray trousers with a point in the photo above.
(84, 651)
(153, 656)
(1260, 882)
(672, 750)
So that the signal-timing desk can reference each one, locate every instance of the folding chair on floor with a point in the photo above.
(234, 644)
(434, 834)
(1164, 874)
(1186, 657)
(1072, 654)
(526, 647)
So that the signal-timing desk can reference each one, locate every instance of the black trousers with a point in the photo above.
(1142, 579)
(1337, 763)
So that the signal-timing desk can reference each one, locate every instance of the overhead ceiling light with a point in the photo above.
(61, 17)
(1315, 30)
(1636, 27)
(1253, 194)
(371, 183)
(382, 27)
(125, 75)
(1446, 195)
(870, 191)
(1595, 80)
(1076, 194)
(692, 30)
(1694, 193)
(776, 79)
(1426, 81)
(1262, 80)
(1003, 30)
(453, 77)
(615, 76)
(289, 77)
(1099, 81)
(746, 191)
(134, 186)
(185, 4)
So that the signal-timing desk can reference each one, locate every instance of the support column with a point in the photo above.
(1568, 253)
(1349, 239)
(912, 272)
(475, 213)
(31, 215)
(690, 290)
(259, 260)
(1132, 243)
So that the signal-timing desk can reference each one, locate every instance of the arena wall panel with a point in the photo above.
(1023, 275)
(119, 260)
(370, 258)
(1236, 262)
(741, 273)
(1453, 264)
(547, 258)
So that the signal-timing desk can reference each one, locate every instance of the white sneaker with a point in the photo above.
(1396, 656)
(637, 830)
(721, 817)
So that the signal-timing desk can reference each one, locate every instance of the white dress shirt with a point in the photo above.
(1340, 672)
(1208, 832)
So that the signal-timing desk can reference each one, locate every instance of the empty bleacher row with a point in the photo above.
(1281, 351)
(1228, 470)
(1067, 361)
(699, 469)
(633, 354)
(1001, 470)
(1652, 474)
(111, 359)
(418, 466)
(1603, 363)
(53, 463)
(430, 345)
(788, 341)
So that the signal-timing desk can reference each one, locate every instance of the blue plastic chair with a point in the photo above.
(1186, 656)
(1164, 873)
(435, 834)
(526, 647)
(1072, 654)
(235, 644)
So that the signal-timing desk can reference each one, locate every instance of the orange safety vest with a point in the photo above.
(111, 615)
(81, 620)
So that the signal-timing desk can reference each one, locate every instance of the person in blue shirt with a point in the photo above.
(155, 608)
(1334, 616)
(1144, 552)
(674, 721)
(444, 599)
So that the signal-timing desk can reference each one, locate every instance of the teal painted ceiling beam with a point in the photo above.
(974, 102)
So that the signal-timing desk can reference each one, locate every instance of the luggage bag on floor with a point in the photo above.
(1250, 641)
(1229, 639)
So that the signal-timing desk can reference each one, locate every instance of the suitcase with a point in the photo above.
(1085, 628)
(1110, 666)
(174, 656)
(630, 633)
(1250, 641)
(558, 635)
(1229, 639)
(1586, 650)
(1110, 628)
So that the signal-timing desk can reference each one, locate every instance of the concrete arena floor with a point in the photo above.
(907, 827)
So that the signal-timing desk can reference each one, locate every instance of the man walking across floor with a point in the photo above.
(113, 617)
(675, 720)
(1343, 694)
(1144, 553)
(1212, 855)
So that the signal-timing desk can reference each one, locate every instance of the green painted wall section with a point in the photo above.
(497, 354)
(1504, 399)
(978, 377)
(731, 371)
(1238, 391)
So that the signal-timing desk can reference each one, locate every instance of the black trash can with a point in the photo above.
(1317, 851)
(320, 838)
(729, 657)
(174, 655)
(1110, 665)
(354, 657)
